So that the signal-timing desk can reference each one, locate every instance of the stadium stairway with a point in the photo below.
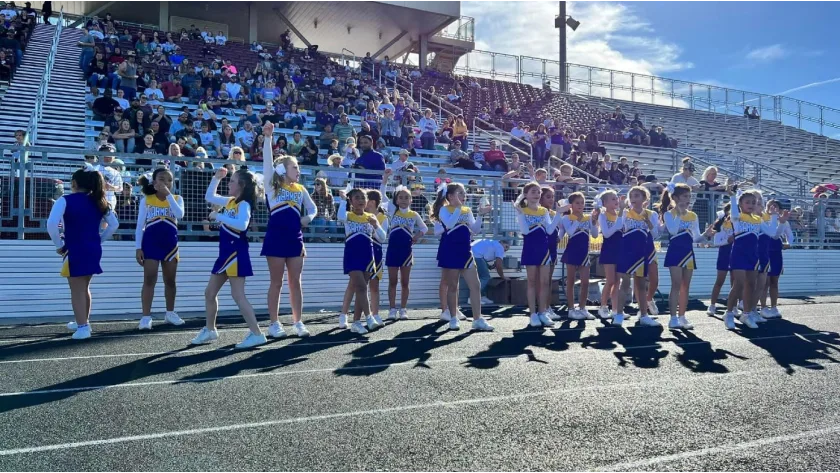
(19, 98)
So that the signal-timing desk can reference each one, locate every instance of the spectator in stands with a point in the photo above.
(308, 155)
(460, 131)
(104, 106)
(87, 43)
(246, 136)
(407, 126)
(296, 144)
(171, 90)
(390, 128)
(754, 114)
(746, 112)
(402, 163)
(686, 176)
(326, 137)
(458, 158)
(141, 122)
(494, 158)
(160, 138)
(370, 160)
(428, 127)
(207, 139)
(592, 144)
(351, 152)
(635, 171)
(153, 94)
(294, 119)
(124, 137)
(343, 129)
(709, 182)
(128, 76)
(637, 121)
(6, 66)
(565, 175)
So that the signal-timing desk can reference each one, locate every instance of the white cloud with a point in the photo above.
(767, 53)
(611, 36)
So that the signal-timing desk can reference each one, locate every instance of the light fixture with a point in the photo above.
(570, 22)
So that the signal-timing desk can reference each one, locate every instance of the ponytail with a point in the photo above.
(441, 197)
(250, 188)
(670, 195)
(719, 222)
(92, 182)
(664, 204)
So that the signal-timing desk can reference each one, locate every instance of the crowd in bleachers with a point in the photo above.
(16, 26)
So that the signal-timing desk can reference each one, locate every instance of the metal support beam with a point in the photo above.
(291, 27)
(390, 43)
(563, 80)
(99, 10)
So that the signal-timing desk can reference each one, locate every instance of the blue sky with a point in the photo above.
(767, 47)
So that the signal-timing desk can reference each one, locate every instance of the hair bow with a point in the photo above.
(671, 187)
(720, 213)
(148, 176)
(89, 168)
(442, 189)
(280, 169)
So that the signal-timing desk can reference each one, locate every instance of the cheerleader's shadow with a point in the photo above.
(793, 345)
(413, 346)
(642, 346)
(699, 356)
(523, 341)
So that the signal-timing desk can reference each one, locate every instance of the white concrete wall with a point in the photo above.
(30, 284)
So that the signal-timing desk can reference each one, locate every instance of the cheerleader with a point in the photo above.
(610, 223)
(406, 229)
(776, 264)
(156, 237)
(536, 225)
(82, 213)
(640, 226)
(283, 243)
(360, 228)
(684, 228)
(234, 262)
(579, 227)
(744, 260)
(443, 287)
(547, 201)
(653, 269)
(454, 252)
(723, 241)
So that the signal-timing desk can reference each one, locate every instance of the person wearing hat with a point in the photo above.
(686, 175)
(402, 163)
(336, 175)
(128, 75)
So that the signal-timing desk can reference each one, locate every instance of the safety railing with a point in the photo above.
(461, 29)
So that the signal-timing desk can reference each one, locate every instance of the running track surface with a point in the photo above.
(414, 396)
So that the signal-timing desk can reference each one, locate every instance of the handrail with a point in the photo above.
(43, 89)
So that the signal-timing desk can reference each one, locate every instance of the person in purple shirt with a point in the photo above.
(369, 159)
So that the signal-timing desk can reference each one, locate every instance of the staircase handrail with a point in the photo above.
(43, 89)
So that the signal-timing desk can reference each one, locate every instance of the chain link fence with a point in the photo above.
(29, 187)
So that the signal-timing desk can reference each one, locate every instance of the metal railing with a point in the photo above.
(29, 188)
(462, 29)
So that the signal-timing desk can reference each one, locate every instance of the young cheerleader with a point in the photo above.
(360, 227)
(610, 224)
(82, 212)
(157, 242)
(653, 270)
(454, 252)
(579, 227)
(283, 242)
(536, 225)
(684, 228)
(744, 260)
(776, 264)
(234, 262)
(547, 201)
(406, 228)
(640, 226)
(723, 240)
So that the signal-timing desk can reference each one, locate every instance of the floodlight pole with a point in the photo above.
(562, 28)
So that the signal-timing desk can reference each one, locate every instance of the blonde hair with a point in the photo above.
(608, 192)
(278, 181)
(707, 171)
(232, 151)
(323, 182)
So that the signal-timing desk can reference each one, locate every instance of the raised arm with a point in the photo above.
(268, 162)
(473, 223)
(211, 195)
(342, 210)
(54, 220)
(379, 232)
(141, 222)
(770, 228)
(240, 221)
(734, 211)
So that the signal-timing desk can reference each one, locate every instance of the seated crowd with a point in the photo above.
(16, 27)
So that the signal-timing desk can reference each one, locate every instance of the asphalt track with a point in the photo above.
(414, 396)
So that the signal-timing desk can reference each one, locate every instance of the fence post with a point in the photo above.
(21, 165)
(820, 208)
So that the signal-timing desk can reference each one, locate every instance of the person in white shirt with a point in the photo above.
(221, 39)
(234, 88)
(329, 80)
(154, 94)
(246, 136)
(120, 98)
(9, 12)
(401, 162)
(486, 252)
(428, 127)
(685, 177)
(519, 130)
(386, 105)
(206, 34)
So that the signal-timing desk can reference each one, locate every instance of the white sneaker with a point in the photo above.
(553, 315)
(729, 320)
(403, 314)
(145, 323)
(757, 318)
(674, 324)
(460, 315)
(481, 325)
(604, 312)
(712, 309)
(275, 330)
(486, 301)
(647, 321)
(617, 319)
(205, 336)
(82, 332)
(776, 313)
(535, 320)
(546, 321)
(445, 316)
(685, 323)
(392, 314)
(252, 340)
(300, 330)
(767, 313)
(342, 320)
(652, 308)
(371, 323)
(378, 320)
(453, 324)
(747, 320)
(358, 327)
(586, 314)
(72, 326)
(173, 318)
(577, 314)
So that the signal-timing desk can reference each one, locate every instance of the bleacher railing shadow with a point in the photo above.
(32, 178)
